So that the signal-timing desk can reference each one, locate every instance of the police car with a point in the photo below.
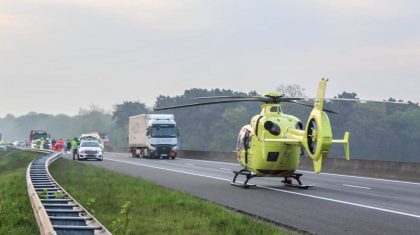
(89, 149)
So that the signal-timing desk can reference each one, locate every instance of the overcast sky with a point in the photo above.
(57, 56)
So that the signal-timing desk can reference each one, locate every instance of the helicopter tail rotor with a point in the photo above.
(318, 138)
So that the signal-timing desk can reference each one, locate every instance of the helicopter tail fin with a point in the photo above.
(318, 134)
(345, 142)
(320, 95)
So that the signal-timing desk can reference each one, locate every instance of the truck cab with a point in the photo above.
(153, 136)
(162, 135)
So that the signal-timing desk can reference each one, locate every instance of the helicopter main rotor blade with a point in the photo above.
(262, 98)
(309, 105)
(361, 100)
(288, 99)
(364, 101)
(205, 103)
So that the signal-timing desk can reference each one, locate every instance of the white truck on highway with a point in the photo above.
(153, 136)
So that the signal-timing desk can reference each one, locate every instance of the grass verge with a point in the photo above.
(128, 205)
(16, 215)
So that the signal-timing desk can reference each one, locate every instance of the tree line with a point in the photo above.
(380, 131)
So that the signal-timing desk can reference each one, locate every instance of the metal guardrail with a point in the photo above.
(56, 212)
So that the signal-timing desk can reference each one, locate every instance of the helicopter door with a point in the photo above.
(244, 140)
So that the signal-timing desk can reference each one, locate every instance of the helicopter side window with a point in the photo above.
(244, 140)
(240, 142)
(272, 127)
(299, 125)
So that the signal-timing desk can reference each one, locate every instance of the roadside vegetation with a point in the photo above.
(16, 215)
(128, 205)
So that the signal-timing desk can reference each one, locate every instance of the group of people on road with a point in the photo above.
(68, 146)
(57, 145)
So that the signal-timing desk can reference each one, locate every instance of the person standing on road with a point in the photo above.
(59, 145)
(74, 146)
(68, 145)
(53, 144)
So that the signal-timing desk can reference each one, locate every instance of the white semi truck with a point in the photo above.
(153, 136)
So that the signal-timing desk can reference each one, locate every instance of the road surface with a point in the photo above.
(338, 204)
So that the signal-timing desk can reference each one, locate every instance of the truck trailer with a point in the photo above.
(153, 136)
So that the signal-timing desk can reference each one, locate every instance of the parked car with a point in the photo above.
(3, 146)
(93, 137)
(89, 149)
(19, 144)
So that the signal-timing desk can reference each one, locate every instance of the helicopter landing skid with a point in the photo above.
(296, 176)
(248, 174)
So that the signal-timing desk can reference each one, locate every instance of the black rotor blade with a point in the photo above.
(205, 103)
(309, 105)
(288, 99)
(262, 98)
(361, 100)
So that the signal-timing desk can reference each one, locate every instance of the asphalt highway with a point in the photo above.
(338, 204)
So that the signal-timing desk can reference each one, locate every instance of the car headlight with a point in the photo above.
(152, 147)
(82, 151)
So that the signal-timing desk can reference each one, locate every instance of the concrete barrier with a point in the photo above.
(368, 168)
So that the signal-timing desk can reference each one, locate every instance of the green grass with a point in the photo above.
(16, 215)
(128, 205)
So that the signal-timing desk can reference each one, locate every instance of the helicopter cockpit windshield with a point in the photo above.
(275, 109)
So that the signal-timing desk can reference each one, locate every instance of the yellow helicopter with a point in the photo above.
(272, 144)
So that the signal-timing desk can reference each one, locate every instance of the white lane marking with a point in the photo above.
(227, 163)
(311, 172)
(226, 169)
(366, 178)
(354, 186)
(166, 169)
(281, 190)
(189, 164)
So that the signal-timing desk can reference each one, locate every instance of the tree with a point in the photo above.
(292, 90)
(127, 109)
(209, 127)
